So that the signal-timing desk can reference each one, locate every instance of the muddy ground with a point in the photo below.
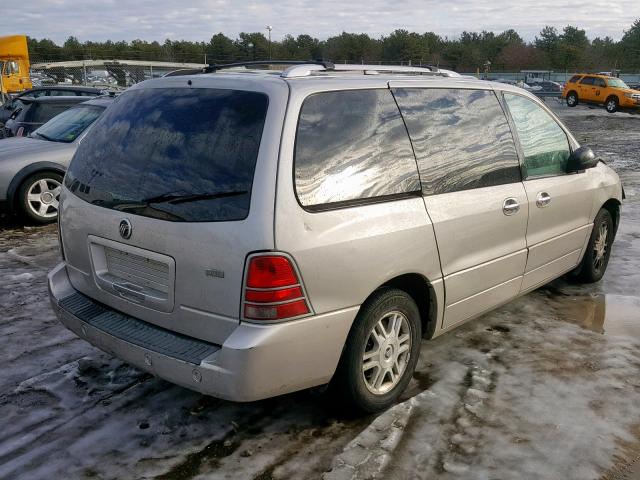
(546, 387)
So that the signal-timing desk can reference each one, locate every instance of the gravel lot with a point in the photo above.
(546, 387)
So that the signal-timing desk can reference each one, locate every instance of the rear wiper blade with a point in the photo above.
(194, 197)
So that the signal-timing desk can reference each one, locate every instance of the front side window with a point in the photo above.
(352, 145)
(599, 82)
(544, 143)
(67, 126)
(461, 138)
(11, 67)
(175, 154)
(617, 83)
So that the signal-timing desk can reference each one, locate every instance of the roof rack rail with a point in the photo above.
(306, 69)
(213, 67)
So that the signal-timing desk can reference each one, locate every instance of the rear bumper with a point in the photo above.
(254, 362)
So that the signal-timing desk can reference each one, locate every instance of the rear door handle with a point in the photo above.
(510, 206)
(543, 199)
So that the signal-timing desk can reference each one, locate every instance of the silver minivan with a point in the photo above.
(248, 233)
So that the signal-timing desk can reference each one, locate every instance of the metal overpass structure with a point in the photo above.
(115, 72)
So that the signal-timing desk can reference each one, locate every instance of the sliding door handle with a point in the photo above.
(543, 199)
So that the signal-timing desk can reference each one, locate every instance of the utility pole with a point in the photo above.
(269, 28)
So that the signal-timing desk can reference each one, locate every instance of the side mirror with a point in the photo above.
(581, 159)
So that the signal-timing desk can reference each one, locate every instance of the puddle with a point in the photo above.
(615, 315)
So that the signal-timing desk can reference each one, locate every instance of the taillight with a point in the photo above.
(273, 290)
(20, 132)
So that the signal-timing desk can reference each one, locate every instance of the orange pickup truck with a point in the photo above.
(611, 92)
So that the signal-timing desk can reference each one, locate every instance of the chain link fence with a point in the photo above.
(120, 74)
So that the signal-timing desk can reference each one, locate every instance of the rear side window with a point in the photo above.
(182, 154)
(575, 78)
(461, 138)
(42, 113)
(62, 93)
(587, 81)
(352, 146)
(544, 143)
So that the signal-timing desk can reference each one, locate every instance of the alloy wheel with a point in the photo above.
(43, 197)
(386, 353)
(600, 247)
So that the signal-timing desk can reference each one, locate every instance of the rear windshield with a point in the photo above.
(175, 154)
(68, 125)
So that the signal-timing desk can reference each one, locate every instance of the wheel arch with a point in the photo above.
(26, 172)
(613, 206)
(419, 288)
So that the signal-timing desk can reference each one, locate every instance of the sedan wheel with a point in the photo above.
(40, 197)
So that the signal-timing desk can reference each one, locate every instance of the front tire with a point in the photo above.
(611, 104)
(39, 196)
(381, 352)
(596, 258)
(572, 99)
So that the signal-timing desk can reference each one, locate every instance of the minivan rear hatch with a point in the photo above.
(155, 218)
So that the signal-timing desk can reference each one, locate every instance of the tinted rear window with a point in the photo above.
(352, 146)
(174, 154)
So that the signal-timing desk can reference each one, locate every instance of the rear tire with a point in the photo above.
(38, 197)
(596, 258)
(381, 352)
(611, 105)
(572, 99)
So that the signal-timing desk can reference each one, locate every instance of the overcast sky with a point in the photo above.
(199, 19)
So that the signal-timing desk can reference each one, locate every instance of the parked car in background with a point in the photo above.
(252, 234)
(546, 85)
(31, 168)
(35, 112)
(611, 92)
(7, 108)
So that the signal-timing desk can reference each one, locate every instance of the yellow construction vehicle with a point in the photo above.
(14, 64)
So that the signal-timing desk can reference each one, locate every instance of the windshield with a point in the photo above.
(68, 125)
(180, 154)
(616, 83)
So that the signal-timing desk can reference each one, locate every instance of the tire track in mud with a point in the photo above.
(288, 437)
(44, 434)
(443, 419)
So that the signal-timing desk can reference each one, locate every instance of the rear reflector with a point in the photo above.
(273, 290)
(276, 312)
(271, 296)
